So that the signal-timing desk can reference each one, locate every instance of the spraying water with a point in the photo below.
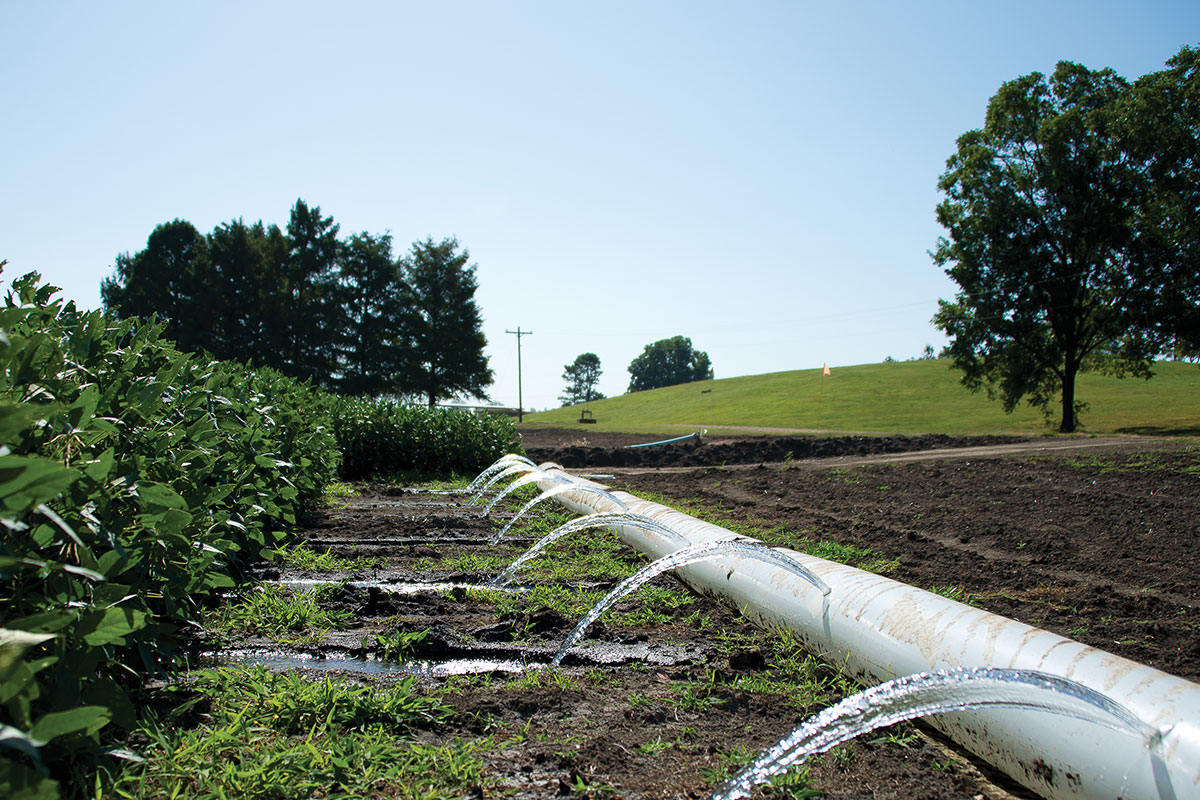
(504, 461)
(565, 486)
(682, 557)
(501, 475)
(929, 693)
(607, 518)
(537, 475)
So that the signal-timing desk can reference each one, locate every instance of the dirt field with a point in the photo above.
(1096, 542)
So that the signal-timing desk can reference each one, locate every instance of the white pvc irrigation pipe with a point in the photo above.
(877, 628)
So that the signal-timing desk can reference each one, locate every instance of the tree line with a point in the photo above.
(343, 312)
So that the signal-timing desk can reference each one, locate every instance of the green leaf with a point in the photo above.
(110, 626)
(45, 622)
(218, 580)
(27, 481)
(100, 467)
(83, 572)
(59, 723)
(105, 692)
(15, 418)
(156, 495)
(82, 409)
(53, 516)
(16, 678)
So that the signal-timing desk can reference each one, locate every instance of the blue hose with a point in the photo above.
(695, 436)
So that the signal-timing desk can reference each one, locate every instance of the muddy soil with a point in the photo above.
(573, 449)
(1099, 546)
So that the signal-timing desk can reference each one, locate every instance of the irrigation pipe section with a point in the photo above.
(877, 629)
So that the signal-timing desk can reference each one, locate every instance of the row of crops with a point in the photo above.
(137, 483)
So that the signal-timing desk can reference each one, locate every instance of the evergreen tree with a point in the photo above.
(440, 324)
(581, 376)
(340, 313)
(313, 315)
(369, 351)
(248, 263)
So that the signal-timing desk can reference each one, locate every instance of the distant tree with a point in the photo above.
(369, 350)
(581, 377)
(668, 362)
(1051, 214)
(313, 314)
(171, 277)
(440, 327)
(247, 267)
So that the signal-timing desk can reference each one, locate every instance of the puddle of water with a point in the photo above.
(439, 504)
(463, 537)
(464, 666)
(395, 587)
(284, 661)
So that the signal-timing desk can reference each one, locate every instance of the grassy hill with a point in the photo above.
(900, 397)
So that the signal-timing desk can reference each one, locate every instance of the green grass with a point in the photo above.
(900, 397)
(301, 556)
(273, 735)
(279, 614)
(336, 494)
(1185, 462)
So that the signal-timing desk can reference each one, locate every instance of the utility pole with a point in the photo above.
(520, 400)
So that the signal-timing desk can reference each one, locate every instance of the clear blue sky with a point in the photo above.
(758, 176)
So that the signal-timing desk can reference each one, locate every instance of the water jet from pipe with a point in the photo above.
(929, 693)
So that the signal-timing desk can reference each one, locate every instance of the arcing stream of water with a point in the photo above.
(499, 465)
(682, 557)
(605, 519)
(926, 694)
(533, 477)
(546, 495)
(502, 469)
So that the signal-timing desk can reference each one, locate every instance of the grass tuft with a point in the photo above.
(275, 735)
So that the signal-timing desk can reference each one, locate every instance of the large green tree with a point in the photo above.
(581, 376)
(1160, 124)
(171, 277)
(312, 316)
(247, 268)
(440, 325)
(369, 352)
(1048, 210)
(668, 362)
